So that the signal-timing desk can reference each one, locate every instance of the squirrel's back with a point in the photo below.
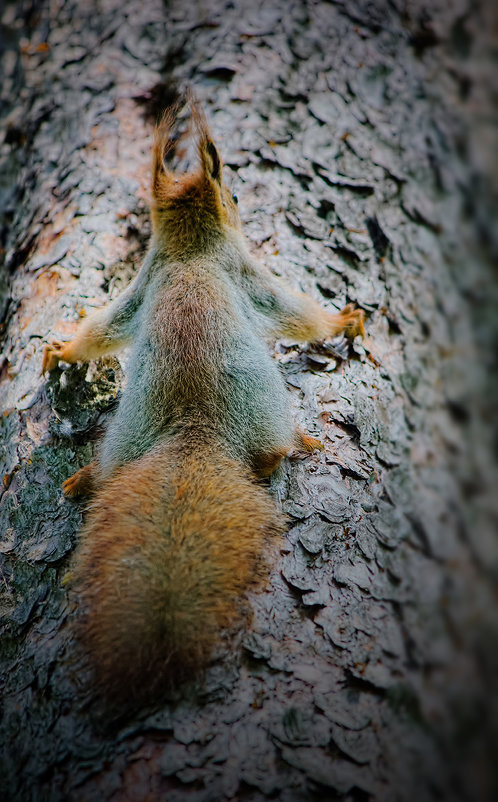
(199, 351)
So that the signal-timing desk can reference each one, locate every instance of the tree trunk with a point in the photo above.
(359, 139)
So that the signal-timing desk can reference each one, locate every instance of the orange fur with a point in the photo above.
(81, 483)
(162, 571)
(194, 206)
(264, 465)
(315, 323)
(86, 345)
(307, 442)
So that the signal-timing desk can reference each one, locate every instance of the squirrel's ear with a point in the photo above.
(211, 163)
(163, 143)
(211, 160)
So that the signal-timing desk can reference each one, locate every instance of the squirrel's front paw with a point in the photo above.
(52, 354)
(353, 321)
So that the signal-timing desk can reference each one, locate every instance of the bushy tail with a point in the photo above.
(171, 543)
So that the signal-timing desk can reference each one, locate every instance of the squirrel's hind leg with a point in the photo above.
(264, 464)
(81, 483)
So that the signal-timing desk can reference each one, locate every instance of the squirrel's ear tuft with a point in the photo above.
(211, 160)
(163, 143)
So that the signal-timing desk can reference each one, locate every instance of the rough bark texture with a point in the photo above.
(360, 139)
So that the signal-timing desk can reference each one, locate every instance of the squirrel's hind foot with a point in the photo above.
(80, 483)
(307, 442)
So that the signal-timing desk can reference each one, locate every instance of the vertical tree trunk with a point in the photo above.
(358, 137)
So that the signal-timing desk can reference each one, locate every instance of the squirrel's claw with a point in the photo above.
(80, 483)
(307, 442)
(70, 487)
(354, 321)
(52, 353)
(311, 443)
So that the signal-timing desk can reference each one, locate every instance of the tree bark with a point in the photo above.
(358, 137)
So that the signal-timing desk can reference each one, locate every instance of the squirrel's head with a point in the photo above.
(189, 210)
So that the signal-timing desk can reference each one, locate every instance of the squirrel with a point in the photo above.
(179, 517)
